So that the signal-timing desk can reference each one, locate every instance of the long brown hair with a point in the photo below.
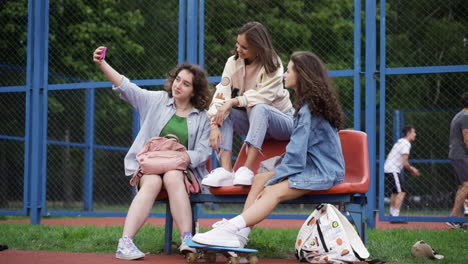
(257, 36)
(314, 87)
(201, 99)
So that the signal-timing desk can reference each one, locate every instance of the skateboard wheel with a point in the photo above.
(233, 260)
(253, 260)
(210, 257)
(191, 257)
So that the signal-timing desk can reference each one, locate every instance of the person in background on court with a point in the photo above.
(180, 110)
(313, 159)
(249, 100)
(396, 160)
(458, 155)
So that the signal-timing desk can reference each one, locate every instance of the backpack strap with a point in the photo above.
(354, 240)
(173, 137)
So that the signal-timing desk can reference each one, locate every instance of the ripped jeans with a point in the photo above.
(264, 121)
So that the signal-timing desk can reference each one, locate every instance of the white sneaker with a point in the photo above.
(242, 238)
(127, 249)
(219, 223)
(243, 176)
(184, 249)
(219, 177)
(222, 236)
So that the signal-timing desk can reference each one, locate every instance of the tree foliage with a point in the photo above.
(142, 37)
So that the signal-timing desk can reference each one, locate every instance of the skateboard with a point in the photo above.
(208, 253)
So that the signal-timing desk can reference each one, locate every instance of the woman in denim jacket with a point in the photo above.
(313, 158)
(180, 110)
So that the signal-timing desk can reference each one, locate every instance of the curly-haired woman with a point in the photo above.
(179, 110)
(313, 158)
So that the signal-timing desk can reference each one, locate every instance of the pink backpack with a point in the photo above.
(158, 157)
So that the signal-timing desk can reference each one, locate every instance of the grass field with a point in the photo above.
(389, 245)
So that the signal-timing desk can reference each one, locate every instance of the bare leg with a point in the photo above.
(460, 197)
(399, 200)
(252, 154)
(257, 187)
(178, 200)
(392, 200)
(226, 160)
(142, 204)
(268, 200)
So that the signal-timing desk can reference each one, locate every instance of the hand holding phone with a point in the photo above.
(103, 54)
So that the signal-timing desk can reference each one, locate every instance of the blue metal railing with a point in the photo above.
(190, 48)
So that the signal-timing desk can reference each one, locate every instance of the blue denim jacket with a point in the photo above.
(156, 109)
(313, 158)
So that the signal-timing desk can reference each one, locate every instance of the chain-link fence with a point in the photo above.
(422, 39)
(89, 128)
(14, 21)
(142, 41)
(293, 25)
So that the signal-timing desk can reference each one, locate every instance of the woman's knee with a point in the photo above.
(259, 112)
(261, 178)
(260, 109)
(174, 177)
(152, 182)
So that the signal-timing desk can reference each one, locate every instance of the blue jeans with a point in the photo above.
(264, 121)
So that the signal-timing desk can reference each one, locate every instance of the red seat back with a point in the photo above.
(355, 152)
(270, 148)
(356, 156)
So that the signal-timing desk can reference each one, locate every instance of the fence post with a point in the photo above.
(89, 150)
(192, 32)
(182, 27)
(37, 69)
(201, 33)
(371, 104)
(382, 114)
(357, 65)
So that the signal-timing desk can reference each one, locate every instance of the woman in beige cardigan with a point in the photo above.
(249, 100)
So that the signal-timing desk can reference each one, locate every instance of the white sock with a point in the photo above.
(238, 222)
(244, 232)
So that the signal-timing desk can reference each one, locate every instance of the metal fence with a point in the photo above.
(422, 79)
(64, 133)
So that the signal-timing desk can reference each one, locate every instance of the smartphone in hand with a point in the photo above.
(103, 54)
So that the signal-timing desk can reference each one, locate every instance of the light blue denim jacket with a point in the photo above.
(156, 109)
(313, 158)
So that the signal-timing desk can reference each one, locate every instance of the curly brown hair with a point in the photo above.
(314, 87)
(201, 99)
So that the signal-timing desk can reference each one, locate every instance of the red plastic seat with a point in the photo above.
(355, 152)
(270, 148)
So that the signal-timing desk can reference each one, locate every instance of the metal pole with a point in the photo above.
(371, 104)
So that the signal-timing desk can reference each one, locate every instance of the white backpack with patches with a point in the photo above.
(328, 237)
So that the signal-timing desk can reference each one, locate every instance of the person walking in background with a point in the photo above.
(249, 100)
(458, 155)
(179, 110)
(313, 159)
(396, 160)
